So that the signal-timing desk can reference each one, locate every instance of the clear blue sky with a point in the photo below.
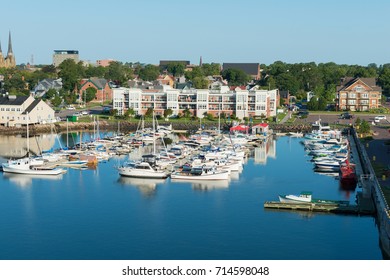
(293, 31)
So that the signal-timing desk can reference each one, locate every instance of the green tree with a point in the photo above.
(364, 127)
(119, 73)
(211, 69)
(70, 72)
(89, 94)
(129, 113)
(176, 68)
(149, 73)
(50, 93)
(167, 112)
(200, 82)
(235, 77)
(56, 101)
(149, 112)
(93, 71)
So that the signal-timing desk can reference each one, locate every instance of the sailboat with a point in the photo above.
(28, 165)
(146, 168)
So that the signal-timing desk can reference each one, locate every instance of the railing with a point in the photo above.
(377, 194)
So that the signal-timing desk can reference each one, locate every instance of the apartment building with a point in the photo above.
(218, 99)
(358, 94)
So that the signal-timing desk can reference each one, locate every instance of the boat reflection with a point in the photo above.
(146, 186)
(24, 180)
(210, 185)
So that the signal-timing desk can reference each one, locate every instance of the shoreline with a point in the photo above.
(126, 126)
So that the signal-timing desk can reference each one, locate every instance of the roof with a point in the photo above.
(100, 83)
(12, 100)
(248, 68)
(240, 127)
(32, 106)
(261, 125)
(166, 62)
(348, 81)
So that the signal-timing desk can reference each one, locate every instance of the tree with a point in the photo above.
(50, 93)
(129, 113)
(167, 112)
(235, 77)
(186, 113)
(89, 94)
(56, 101)
(149, 112)
(200, 82)
(149, 73)
(176, 68)
(118, 73)
(71, 73)
(364, 127)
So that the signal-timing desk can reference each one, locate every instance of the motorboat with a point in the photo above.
(200, 173)
(306, 197)
(141, 170)
(26, 166)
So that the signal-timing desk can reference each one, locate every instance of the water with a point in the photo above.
(96, 214)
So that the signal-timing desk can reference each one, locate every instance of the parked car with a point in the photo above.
(346, 116)
(85, 113)
(379, 118)
(70, 107)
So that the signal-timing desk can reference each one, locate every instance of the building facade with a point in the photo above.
(219, 99)
(358, 94)
(103, 89)
(8, 61)
(20, 110)
(60, 55)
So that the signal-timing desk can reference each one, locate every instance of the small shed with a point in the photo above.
(261, 128)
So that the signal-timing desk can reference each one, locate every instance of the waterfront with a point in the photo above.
(96, 214)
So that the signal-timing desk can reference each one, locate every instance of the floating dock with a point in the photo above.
(319, 207)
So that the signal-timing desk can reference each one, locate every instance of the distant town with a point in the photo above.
(176, 88)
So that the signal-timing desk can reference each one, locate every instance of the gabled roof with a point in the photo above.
(13, 100)
(348, 81)
(100, 83)
(31, 107)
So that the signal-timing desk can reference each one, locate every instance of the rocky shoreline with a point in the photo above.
(131, 126)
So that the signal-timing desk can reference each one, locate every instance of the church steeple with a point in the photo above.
(9, 44)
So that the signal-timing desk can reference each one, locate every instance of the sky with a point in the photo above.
(147, 31)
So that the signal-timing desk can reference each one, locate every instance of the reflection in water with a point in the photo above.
(19, 145)
(146, 186)
(265, 150)
(23, 180)
(210, 185)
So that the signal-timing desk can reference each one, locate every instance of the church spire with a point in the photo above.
(9, 44)
(0, 48)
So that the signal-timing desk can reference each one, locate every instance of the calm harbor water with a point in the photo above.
(96, 214)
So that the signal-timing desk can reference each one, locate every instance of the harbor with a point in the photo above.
(109, 216)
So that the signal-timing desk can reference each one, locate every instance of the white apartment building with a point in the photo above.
(237, 101)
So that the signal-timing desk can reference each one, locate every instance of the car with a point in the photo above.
(77, 114)
(85, 113)
(346, 116)
(382, 117)
(70, 107)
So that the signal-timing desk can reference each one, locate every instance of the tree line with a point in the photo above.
(298, 78)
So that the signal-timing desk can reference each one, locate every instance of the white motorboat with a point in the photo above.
(142, 170)
(201, 173)
(26, 166)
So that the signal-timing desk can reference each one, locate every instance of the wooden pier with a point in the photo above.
(319, 207)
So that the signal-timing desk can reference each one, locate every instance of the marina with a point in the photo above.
(95, 213)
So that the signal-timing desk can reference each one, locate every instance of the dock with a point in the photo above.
(321, 207)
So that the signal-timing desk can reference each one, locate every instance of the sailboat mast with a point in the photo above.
(28, 136)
